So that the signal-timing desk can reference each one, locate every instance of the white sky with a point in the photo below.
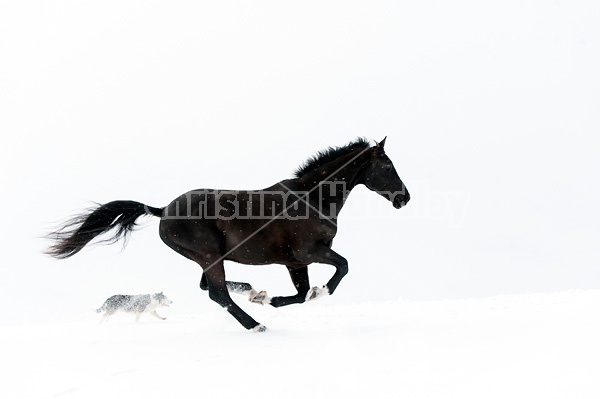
(491, 113)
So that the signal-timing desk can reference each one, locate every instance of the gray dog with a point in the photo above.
(137, 304)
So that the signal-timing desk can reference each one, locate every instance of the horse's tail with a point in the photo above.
(72, 236)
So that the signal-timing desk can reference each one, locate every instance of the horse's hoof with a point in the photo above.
(261, 298)
(316, 292)
(259, 328)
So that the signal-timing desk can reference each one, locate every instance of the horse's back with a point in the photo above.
(247, 226)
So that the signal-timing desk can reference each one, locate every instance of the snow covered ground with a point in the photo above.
(523, 346)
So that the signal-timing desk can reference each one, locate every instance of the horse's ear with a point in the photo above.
(379, 147)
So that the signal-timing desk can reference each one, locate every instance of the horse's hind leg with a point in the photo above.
(246, 289)
(217, 291)
(300, 279)
(240, 288)
(214, 272)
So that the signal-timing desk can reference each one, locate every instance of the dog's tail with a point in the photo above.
(72, 236)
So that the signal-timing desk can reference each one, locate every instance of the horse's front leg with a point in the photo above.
(299, 277)
(326, 255)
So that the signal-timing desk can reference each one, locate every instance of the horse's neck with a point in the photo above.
(330, 185)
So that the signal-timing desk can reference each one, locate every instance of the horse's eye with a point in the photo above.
(388, 166)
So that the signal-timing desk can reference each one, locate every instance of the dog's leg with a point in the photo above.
(107, 314)
(153, 313)
(137, 316)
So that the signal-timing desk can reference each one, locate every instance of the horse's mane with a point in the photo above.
(328, 155)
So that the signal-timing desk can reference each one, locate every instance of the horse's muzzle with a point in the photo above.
(400, 201)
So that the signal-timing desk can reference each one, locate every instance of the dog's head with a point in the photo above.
(162, 299)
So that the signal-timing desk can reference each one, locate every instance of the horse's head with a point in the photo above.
(381, 177)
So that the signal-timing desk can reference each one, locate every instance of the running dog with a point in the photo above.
(137, 304)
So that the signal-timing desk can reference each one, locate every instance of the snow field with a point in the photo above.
(543, 345)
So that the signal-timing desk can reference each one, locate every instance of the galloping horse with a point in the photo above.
(292, 223)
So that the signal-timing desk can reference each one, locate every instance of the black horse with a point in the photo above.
(292, 223)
